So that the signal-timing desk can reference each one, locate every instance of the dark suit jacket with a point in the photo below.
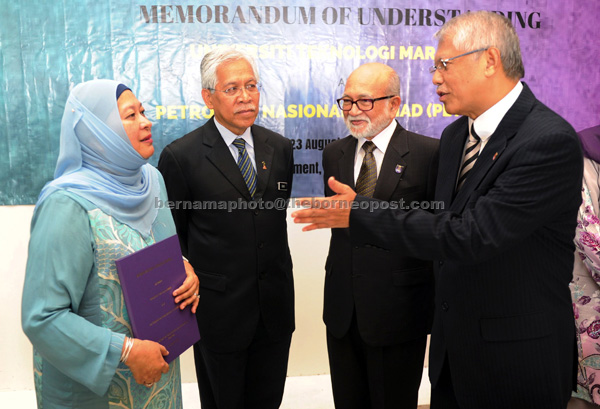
(503, 251)
(393, 296)
(241, 256)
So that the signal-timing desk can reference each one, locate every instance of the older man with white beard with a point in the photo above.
(378, 306)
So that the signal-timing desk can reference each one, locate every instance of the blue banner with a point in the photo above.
(305, 51)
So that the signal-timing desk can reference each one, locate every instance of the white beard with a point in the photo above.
(372, 129)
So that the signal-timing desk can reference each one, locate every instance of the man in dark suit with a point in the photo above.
(503, 333)
(378, 306)
(228, 182)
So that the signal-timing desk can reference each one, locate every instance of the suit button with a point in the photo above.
(262, 275)
(256, 212)
(445, 306)
(261, 245)
(441, 263)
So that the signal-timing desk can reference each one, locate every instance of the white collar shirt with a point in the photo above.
(229, 137)
(486, 123)
(381, 141)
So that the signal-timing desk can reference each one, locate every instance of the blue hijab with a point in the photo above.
(97, 162)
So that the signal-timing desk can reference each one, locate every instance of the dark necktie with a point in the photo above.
(367, 177)
(245, 165)
(471, 154)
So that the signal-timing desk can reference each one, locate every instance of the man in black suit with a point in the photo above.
(378, 306)
(510, 179)
(228, 182)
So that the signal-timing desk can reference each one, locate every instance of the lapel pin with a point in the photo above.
(264, 165)
(495, 156)
(399, 169)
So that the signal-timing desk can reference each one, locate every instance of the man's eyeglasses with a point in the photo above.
(364, 104)
(443, 63)
(235, 91)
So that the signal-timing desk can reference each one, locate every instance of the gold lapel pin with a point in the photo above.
(264, 165)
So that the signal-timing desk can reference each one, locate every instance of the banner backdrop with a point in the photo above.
(305, 51)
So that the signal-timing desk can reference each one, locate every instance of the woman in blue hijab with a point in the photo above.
(100, 206)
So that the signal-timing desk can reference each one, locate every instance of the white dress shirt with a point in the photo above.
(486, 123)
(229, 137)
(381, 141)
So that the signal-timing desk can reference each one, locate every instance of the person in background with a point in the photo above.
(585, 287)
(378, 306)
(509, 180)
(230, 181)
(99, 207)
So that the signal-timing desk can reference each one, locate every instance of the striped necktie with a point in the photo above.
(471, 154)
(245, 165)
(367, 177)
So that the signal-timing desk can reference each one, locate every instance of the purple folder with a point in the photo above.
(148, 278)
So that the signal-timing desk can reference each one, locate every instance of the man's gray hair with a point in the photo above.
(213, 59)
(481, 29)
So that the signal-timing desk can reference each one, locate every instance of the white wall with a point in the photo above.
(308, 354)
(16, 372)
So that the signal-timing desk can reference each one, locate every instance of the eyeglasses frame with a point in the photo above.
(445, 61)
(373, 100)
(238, 91)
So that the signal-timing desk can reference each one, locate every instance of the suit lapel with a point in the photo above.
(220, 156)
(346, 162)
(263, 153)
(393, 166)
(506, 130)
(488, 156)
(451, 151)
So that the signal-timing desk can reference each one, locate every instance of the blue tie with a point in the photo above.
(245, 165)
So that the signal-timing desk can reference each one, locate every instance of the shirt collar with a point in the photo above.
(382, 139)
(486, 123)
(229, 136)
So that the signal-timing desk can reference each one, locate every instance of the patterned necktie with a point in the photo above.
(471, 154)
(245, 165)
(367, 177)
